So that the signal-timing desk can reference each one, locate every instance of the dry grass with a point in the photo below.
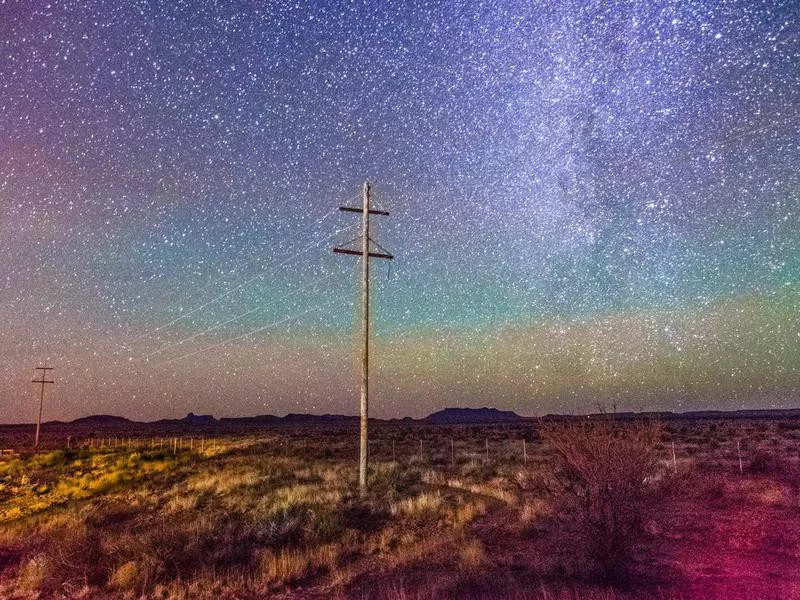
(292, 565)
(472, 556)
(280, 514)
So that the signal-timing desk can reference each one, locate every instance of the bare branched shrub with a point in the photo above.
(607, 481)
(765, 462)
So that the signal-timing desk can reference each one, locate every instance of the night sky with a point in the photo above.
(592, 203)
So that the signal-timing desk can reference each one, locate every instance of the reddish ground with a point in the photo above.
(738, 539)
(742, 544)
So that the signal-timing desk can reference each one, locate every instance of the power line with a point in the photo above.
(310, 227)
(237, 317)
(245, 335)
(208, 285)
(232, 290)
(148, 333)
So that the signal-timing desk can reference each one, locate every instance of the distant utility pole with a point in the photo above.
(43, 381)
(365, 255)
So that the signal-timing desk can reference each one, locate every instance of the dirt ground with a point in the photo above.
(737, 539)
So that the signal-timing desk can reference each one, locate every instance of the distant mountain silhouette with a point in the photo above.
(472, 415)
(257, 420)
(446, 416)
(291, 418)
(190, 419)
(327, 418)
(755, 413)
(109, 420)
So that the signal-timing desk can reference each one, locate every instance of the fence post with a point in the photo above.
(674, 460)
(739, 454)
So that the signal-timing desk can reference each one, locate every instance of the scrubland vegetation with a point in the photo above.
(599, 510)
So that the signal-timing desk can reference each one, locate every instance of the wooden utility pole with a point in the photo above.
(365, 255)
(42, 381)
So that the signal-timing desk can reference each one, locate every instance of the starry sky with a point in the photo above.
(592, 203)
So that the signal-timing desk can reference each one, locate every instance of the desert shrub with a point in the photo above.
(530, 481)
(35, 572)
(424, 507)
(476, 468)
(292, 565)
(124, 577)
(472, 556)
(389, 480)
(606, 483)
(464, 512)
(764, 463)
(49, 460)
(324, 523)
(282, 526)
(532, 510)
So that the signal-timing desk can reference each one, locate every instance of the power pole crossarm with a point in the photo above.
(365, 254)
(360, 253)
(372, 211)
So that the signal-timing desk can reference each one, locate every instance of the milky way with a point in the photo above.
(591, 203)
